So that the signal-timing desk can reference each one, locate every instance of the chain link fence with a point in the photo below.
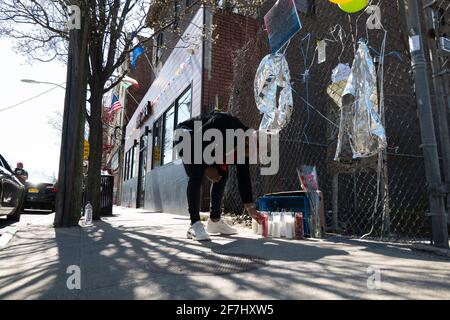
(389, 198)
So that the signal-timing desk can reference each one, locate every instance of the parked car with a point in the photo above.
(40, 193)
(12, 192)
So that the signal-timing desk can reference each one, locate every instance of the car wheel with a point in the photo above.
(16, 215)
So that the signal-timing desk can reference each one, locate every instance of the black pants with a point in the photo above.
(195, 173)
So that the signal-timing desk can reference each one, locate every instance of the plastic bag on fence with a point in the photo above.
(273, 72)
(359, 112)
(339, 79)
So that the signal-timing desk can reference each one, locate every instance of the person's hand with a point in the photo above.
(212, 174)
(253, 212)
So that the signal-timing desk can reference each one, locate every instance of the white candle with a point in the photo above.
(282, 224)
(276, 224)
(289, 234)
(270, 227)
(254, 226)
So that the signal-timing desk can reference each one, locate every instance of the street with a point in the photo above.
(142, 255)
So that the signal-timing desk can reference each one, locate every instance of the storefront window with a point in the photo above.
(157, 134)
(125, 171)
(169, 120)
(184, 106)
(164, 127)
(132, 163)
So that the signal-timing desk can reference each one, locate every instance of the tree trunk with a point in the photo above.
(70, 176)
(96, 149)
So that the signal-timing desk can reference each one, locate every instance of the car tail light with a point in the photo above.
(52, 189)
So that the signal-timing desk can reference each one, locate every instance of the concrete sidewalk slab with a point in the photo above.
(137, 254)
(6, 235)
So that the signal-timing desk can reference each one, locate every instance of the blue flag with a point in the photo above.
(137, 50)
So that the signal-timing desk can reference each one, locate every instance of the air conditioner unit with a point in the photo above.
(444, 46)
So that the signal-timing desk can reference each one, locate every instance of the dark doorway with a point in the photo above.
(140, 199)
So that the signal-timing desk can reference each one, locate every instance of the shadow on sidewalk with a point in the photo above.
(159, 263)
(388, 249)
(274, 249)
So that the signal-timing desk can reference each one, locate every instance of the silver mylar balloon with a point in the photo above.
(273, 72)
(359, 112)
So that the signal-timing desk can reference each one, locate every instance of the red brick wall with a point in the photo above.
(233, 32)
(144, 75)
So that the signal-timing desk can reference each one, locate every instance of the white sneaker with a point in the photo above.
(197, 232)
(220, 227)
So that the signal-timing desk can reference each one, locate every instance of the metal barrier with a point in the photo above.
(106, 195)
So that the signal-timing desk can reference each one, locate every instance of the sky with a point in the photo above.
(25, 134)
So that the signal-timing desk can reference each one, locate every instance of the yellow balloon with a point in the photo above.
(354, 6)
(340, 1)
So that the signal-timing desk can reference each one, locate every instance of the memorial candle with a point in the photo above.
(289, 225)
(254, 226)
(276, 224)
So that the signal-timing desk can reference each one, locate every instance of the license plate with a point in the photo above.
(33, 190)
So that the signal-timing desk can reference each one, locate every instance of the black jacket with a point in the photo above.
(223, 121)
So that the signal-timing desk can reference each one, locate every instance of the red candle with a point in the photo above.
(299, 232)
(265, 224)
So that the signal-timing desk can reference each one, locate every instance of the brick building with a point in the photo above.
(115, 124)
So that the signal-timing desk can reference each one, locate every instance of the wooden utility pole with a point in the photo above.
(70, 178)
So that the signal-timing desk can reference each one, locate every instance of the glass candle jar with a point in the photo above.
(299, 231)
(254, 226)
(276, 224)
(289, 226)
(265, 224)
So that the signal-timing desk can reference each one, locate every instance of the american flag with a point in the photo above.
(115, 104)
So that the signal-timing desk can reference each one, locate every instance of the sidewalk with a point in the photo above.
(143, 255)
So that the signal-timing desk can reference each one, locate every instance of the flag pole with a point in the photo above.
(149, 62)
(128, 92)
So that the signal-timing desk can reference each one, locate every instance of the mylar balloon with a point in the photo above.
(354, 6)
(340, 1)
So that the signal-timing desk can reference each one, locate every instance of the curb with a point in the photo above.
(431, 249)
(6, 236)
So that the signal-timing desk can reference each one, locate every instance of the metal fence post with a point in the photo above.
(440, 85)
(429, 147)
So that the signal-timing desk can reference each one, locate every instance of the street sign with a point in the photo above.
(86, 150)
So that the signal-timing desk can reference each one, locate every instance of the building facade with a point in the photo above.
(114, 124)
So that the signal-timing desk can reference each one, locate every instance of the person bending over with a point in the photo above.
(217, 174)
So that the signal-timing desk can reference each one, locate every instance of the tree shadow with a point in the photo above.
(389, 249)
(157, 262)
(275, 249)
